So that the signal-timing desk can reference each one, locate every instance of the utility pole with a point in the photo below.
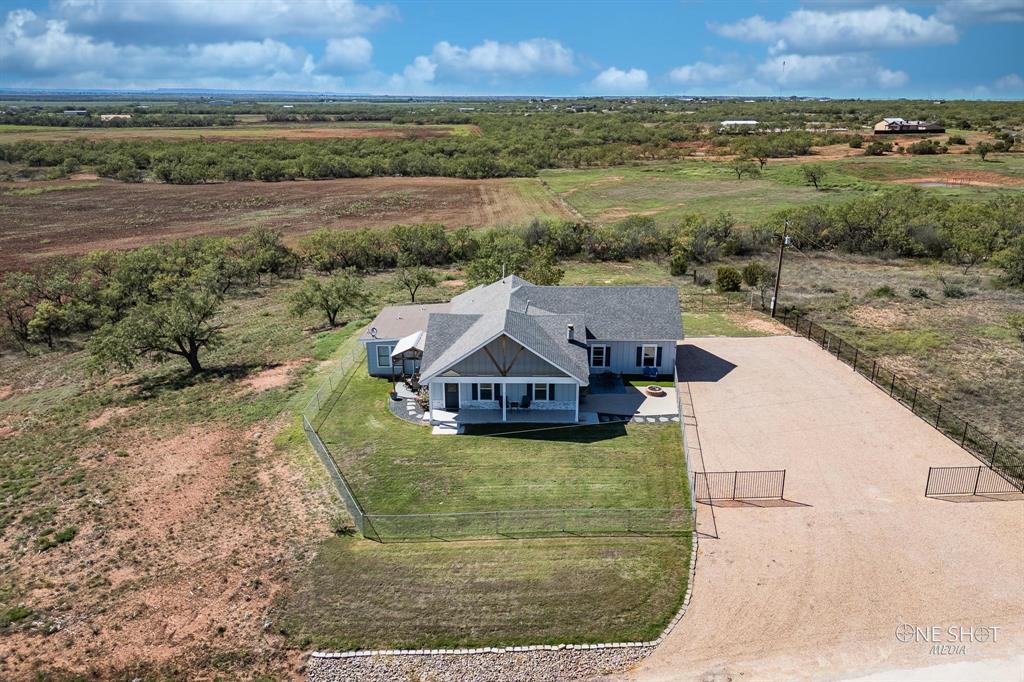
(778, 273)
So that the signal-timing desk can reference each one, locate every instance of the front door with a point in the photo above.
(451, 397)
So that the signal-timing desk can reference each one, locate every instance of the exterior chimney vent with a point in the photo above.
(570, 330)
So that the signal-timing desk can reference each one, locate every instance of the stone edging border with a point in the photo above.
(539, 647)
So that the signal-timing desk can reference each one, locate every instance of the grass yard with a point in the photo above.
(361, 594)
(396, 467)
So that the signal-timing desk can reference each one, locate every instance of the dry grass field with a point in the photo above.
(76, 216)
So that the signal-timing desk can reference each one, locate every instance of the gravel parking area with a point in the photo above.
(818, 589)
(536, 666)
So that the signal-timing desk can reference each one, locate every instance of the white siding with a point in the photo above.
(371, 357)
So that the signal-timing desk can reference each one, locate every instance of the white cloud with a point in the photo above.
(527, 57)
(981, 11)
(616, 81)
(344, 55)
(177, 20)
(811, 31)
(835, 72)
(699, 73)
(1010, 81)
(42, 52)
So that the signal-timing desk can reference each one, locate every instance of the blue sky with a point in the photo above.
(949, 48)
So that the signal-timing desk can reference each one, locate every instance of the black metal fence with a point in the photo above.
(709, 486)
(995, 455)
(979, 480)
(527, 523)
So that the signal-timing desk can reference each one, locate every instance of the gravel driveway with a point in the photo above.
(818, 591)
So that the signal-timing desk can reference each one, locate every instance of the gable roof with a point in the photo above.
(537, 317)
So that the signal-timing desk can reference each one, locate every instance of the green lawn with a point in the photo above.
(716, 324)
(359, 594)
(396, 467)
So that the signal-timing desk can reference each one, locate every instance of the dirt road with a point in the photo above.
(818, 589)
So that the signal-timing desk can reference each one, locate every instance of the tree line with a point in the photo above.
(164, 300)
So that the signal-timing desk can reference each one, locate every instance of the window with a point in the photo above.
(384, 356)
(599, 356)
(648, 356)
(543, 391)
(486, 391)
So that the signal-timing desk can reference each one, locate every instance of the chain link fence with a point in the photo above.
(999, 456)
(518, 523)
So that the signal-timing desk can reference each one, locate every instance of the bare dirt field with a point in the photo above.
(818, 588)
(114, 215)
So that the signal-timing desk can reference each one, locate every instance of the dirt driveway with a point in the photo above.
(817, 591)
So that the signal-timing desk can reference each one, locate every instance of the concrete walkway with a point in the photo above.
(818, 591)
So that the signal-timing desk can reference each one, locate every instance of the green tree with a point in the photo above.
(983, 149)
(421, 244)
(414, 277)
(814, 174)
(743, 167)
(679, 262)
(543, 270)
(972, 232)
(754, 272)
(337, 293)
(181, 324)
(500, 253)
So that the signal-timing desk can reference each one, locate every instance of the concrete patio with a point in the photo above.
(633, 402)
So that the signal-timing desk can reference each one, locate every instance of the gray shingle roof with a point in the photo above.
(537, 317)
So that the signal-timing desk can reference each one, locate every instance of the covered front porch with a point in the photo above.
(486, 400)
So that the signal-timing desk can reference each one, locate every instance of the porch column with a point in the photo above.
(576, 403)
(430, 403)
(504, 400)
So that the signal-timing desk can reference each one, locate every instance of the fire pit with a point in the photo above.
(655, 391)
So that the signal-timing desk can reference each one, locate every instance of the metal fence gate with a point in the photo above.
(980, 480)
(739, 485)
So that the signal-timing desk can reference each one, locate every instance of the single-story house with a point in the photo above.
(899, 126)
(509, 350)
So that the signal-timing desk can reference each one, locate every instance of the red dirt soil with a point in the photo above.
(115, 215)
(177, 567)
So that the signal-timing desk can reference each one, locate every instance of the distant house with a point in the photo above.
(114, 117)
(76, 112)
(220, 103)
(513, 351)
(736, 126)
(901, 126)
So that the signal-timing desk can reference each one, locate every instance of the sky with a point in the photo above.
(834, 48)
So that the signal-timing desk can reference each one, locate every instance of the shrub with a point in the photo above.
(927, 147)
(877, 148)
(856, 142)
(950, 290)
(679, 262)
(1016, 322)
(957, 139)
(884, 291)
(728, 279)
(754, 273)
(917, 292)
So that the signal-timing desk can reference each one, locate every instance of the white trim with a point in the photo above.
(376, 358)
(457, 360)
(606, 355)
(643, 355)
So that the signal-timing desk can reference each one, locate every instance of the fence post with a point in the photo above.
(735, 475)
(976, 478)
(963, 439)
(995, 447)
(913, 405)
(839, 349)
(874, 366)
(928, 483)
(938, 413)
(856, 352)
(892, 386)
(782, 493)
